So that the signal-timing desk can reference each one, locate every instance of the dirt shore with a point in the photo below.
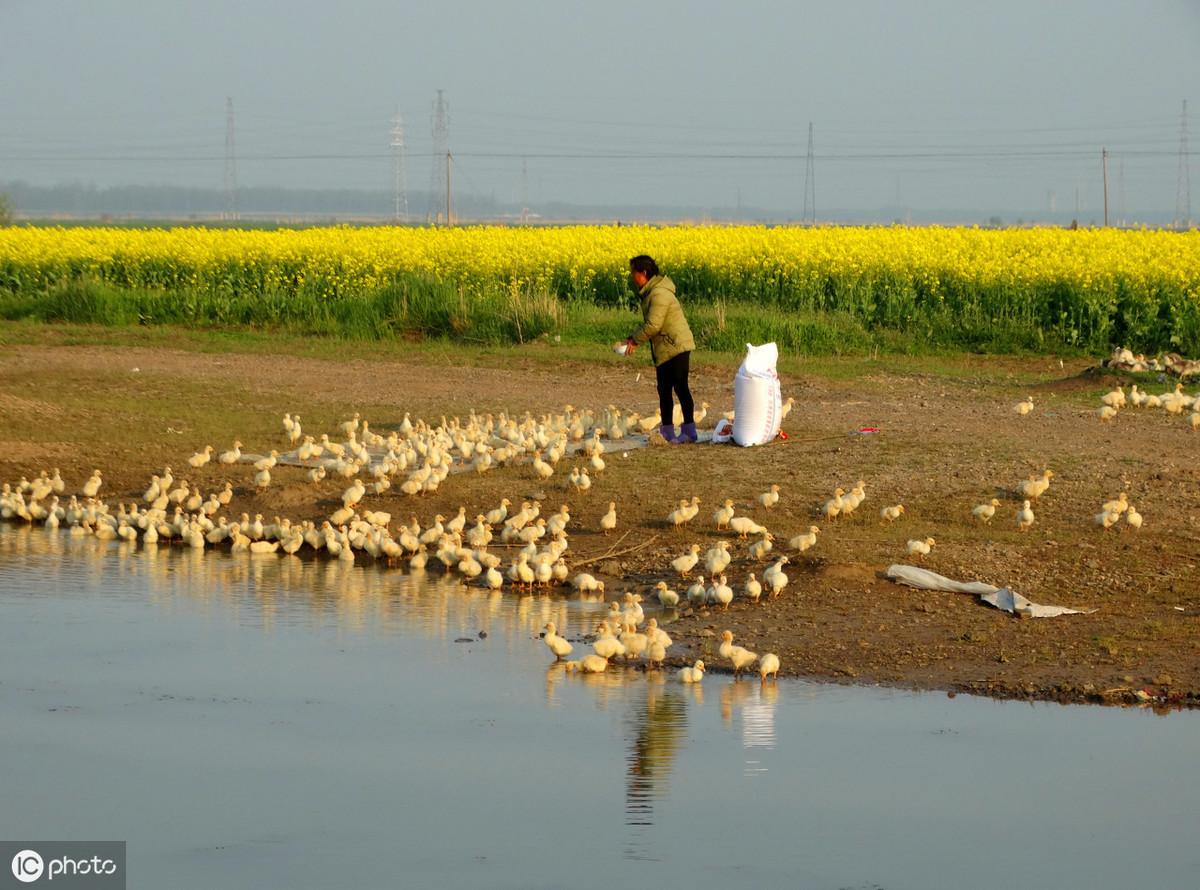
(948, 440)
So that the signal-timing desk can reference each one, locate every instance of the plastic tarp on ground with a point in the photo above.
(1000, 597)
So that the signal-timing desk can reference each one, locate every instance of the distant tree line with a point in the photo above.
(166, 202)
(180, 202)
(160, 203)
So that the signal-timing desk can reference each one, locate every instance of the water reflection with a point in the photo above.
(604, 686)
(657, 730)
(754, 705)
(270, 591)
(265, 590)
(656, 726)
(213, 683)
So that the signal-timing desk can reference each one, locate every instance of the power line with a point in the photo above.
(850, 157)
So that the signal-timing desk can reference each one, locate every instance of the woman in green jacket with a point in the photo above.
(671, 345)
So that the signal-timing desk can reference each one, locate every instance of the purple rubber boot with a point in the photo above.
(667, 431)
(687, 434)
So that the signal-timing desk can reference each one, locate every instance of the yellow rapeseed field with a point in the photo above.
(355, 259)
(1087, 284)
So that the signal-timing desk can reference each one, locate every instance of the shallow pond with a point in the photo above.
(266, 722)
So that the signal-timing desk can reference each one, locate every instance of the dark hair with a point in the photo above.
(645, 265)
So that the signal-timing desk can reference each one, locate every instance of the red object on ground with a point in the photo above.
(782, 434)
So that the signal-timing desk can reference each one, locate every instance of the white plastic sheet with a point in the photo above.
(1000, 597)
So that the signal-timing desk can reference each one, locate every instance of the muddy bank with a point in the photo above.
(949, 441)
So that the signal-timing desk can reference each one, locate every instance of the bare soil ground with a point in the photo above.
(949, 440)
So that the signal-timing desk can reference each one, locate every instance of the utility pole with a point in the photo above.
(230, 212)
(1104, 163)
(1183, 184)
(439, 197)
(810, 182)
(399, 183)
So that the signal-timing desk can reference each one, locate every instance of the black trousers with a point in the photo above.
(673, 377)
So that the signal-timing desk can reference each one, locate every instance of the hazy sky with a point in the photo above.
(941, 104)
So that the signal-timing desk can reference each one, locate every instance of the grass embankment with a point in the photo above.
(414, 307)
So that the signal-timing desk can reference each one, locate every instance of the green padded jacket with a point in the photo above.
(663, 322)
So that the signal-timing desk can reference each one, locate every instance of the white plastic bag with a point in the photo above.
(757, 404)
(722, 432)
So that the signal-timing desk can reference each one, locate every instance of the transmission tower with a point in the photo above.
(399, 183)
(1121, 192)
(1183, 185)
(231, 211)
(524, 191)
(810, 182)
(438, 185)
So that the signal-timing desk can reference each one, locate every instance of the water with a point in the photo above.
(266, 722)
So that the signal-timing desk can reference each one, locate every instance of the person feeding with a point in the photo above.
(671, 345)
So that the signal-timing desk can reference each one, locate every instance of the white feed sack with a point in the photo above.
(757, 403)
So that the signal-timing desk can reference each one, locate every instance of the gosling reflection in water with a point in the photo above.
(733, 697)
(613, 681)
(266, 592)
